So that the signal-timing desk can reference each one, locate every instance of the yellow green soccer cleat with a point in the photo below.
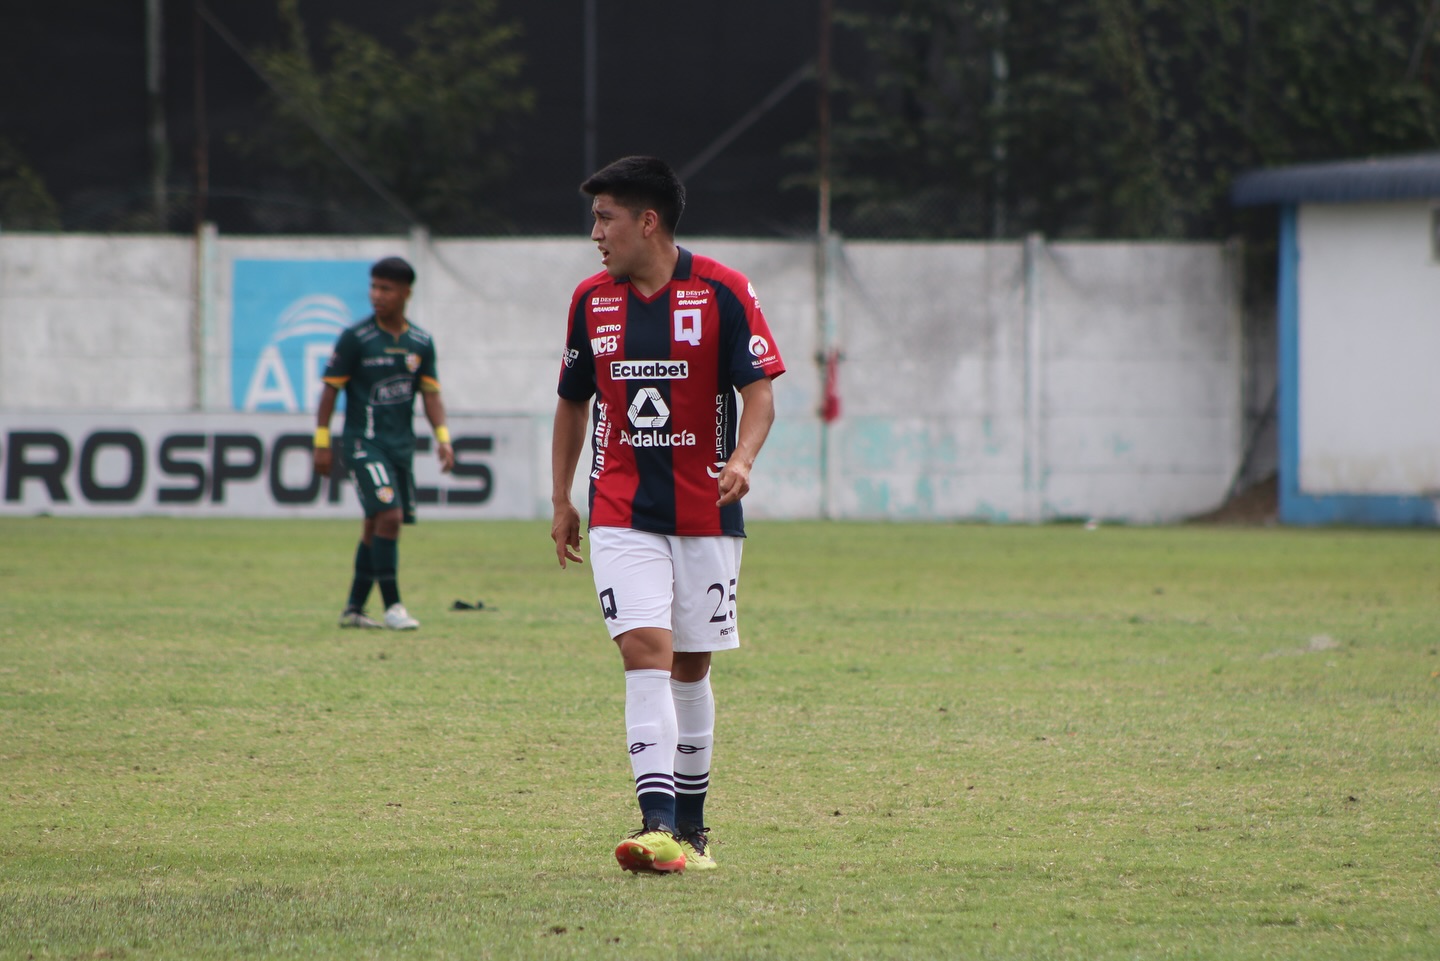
(652, 848)
(697, 849)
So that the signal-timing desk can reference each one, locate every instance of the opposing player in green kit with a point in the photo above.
(382, 363)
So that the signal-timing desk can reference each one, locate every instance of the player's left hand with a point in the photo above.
(734, 482)
(447, 457)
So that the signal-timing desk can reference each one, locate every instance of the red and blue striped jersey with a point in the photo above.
(663, 372)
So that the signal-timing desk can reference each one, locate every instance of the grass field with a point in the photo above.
(937, 741)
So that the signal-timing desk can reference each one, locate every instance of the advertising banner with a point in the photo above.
(242, 465)
(285, 317)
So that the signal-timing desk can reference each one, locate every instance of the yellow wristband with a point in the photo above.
(322, 438)
(442, 434)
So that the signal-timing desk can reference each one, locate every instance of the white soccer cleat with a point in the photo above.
(353, 618)
(399, 619)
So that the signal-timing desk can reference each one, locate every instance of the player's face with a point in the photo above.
(387, 299)
(619, 234)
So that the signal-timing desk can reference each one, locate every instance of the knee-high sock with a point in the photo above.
(385, 563)
(650, 729)
(364, 578)
(695, 723)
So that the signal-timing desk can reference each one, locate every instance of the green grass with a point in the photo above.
(936, 741)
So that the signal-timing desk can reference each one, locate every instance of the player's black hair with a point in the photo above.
(640, 184)
(394, 268)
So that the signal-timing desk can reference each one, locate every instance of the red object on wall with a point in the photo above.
(830, 406)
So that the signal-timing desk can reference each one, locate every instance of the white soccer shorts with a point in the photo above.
(685, 585)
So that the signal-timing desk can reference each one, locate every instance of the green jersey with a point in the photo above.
(380, 374)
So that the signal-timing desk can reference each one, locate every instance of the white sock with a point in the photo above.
(650, 728)
(695, 722)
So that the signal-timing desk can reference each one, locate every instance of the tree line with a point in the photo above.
(952, 118)
(1118, 118)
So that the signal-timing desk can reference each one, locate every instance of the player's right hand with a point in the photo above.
(323, 460)
(565, 532)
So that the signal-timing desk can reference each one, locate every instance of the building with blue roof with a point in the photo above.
(1358, 338)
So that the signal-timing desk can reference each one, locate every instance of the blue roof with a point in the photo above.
(1405, 177)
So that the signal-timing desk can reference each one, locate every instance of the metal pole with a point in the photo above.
(202, 135)
(823, 117)
(1034, 396)
(999, 150)
(592, 102)
(825, 256)
(202, 189)
(744, 123)
(155, 95)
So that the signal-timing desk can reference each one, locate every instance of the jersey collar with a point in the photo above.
(683, 265)
(403, 330)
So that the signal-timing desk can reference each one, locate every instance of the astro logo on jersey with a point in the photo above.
(649, 369)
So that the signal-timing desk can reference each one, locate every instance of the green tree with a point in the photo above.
(25, 203)
(1116, 118)
(379, 130)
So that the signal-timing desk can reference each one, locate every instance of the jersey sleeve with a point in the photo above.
(750, 349)
(342, 359)
(577, 363)
(429, 373)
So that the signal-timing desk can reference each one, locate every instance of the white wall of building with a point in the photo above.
(1369, 346)
(992, 381)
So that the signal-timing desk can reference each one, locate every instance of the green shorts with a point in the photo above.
(383, 481)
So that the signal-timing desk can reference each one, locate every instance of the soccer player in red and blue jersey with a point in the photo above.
(659, 343)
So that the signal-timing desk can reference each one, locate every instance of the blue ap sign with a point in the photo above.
(285, 317)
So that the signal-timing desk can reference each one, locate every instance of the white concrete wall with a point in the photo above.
(1141, 377)
(992, 381)
(96, 322)
(1369, 345)
(933, 384)
(1080, 380)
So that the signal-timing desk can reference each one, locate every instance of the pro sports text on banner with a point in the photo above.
(240, 465)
